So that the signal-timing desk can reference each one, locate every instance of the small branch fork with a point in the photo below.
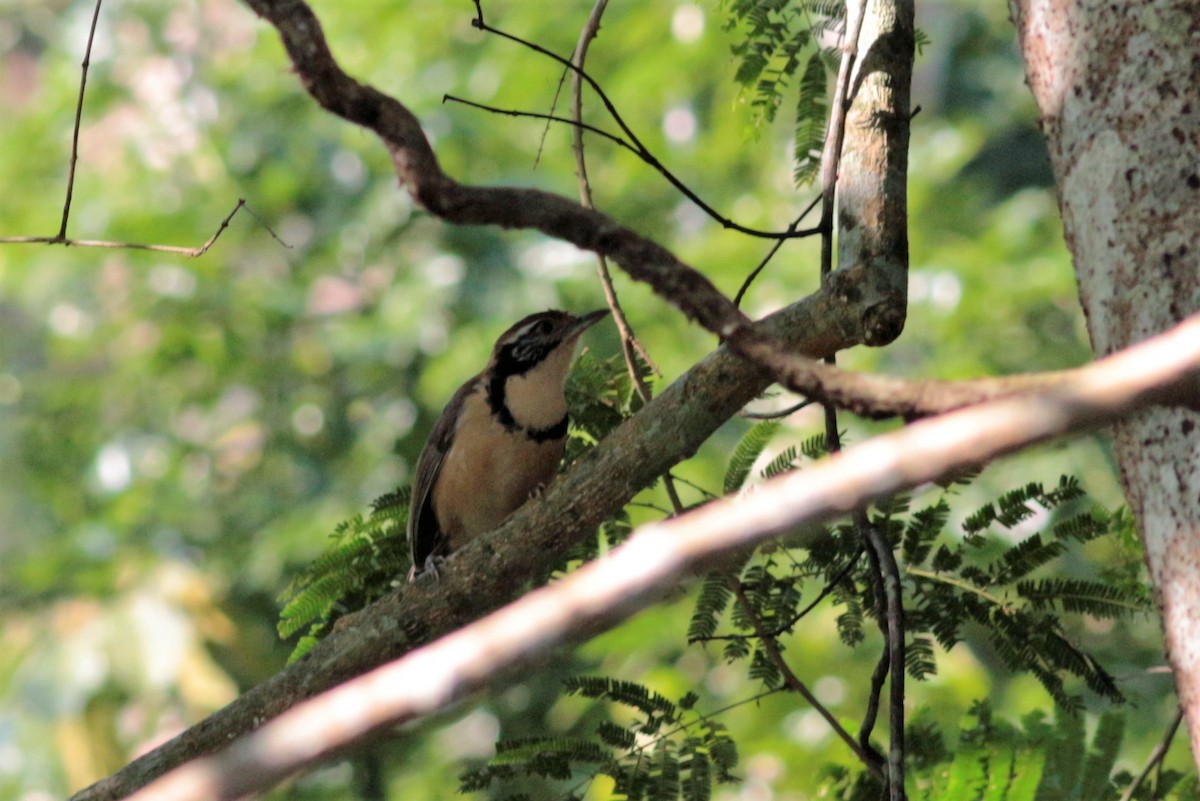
(61, 237)
(191, 253)
(630, 141)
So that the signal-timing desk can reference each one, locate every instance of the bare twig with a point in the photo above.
(191, 253)
(737, 299)
(538, 115)
(784, 412)
(780, 413)
(638, 147)
(834, 136)
(629, 342)
(83, 73)
(1156, 756)
(878, 677)
(892, 625)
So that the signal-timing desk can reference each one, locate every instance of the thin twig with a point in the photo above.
(629, 341)
(793, 681)
(537, 158)
(893, 630)
(874, 575)
(538, 115)
(179, 250)
(835, 136)
(790, 410)
(1156, 757)
(83, 73)
(737, 299)
(878, 677)
(681, 480)
(640, 149)
(784, 628)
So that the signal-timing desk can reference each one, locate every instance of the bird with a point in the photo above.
(499, 439)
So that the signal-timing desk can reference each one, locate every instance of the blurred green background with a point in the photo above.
(178, 437)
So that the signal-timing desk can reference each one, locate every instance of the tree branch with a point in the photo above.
(871, 168)
(606, 591)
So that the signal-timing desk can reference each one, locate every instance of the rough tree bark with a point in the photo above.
(1119, 93)
(872, 177)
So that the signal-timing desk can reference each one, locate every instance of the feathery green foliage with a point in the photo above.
(982, 578)
(665, 752)
(747, 452)
(367, 557)
(955, 584)
(600, 394)
(811, 120)
(995, 760)
(779, 38)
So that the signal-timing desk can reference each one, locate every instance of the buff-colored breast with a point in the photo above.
(488, 473)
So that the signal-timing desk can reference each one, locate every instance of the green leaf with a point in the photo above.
(812, 115)
(747, 452)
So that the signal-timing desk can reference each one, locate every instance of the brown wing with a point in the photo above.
(425, 536)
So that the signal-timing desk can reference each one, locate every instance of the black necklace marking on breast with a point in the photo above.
(499, 406)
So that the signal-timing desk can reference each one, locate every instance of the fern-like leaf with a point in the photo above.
(1093, 598)
(782, 463)
(1023, 558)
(918, 658)
(815, 447)
(710, 605)
(812, 113)
(628, 693)
(747, 452)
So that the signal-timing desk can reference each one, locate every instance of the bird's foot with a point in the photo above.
(429, 568)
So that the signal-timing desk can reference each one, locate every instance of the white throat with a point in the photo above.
(535, 399)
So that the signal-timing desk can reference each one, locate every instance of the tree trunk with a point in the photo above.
(1119, 92)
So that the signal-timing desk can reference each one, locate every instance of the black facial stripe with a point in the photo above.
(520, 357)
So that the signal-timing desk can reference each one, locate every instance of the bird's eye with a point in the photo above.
(543, 327)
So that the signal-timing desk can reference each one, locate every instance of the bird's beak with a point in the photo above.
(586, 321)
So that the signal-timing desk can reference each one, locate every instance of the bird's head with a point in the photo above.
(530, 363)
(546, 339)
